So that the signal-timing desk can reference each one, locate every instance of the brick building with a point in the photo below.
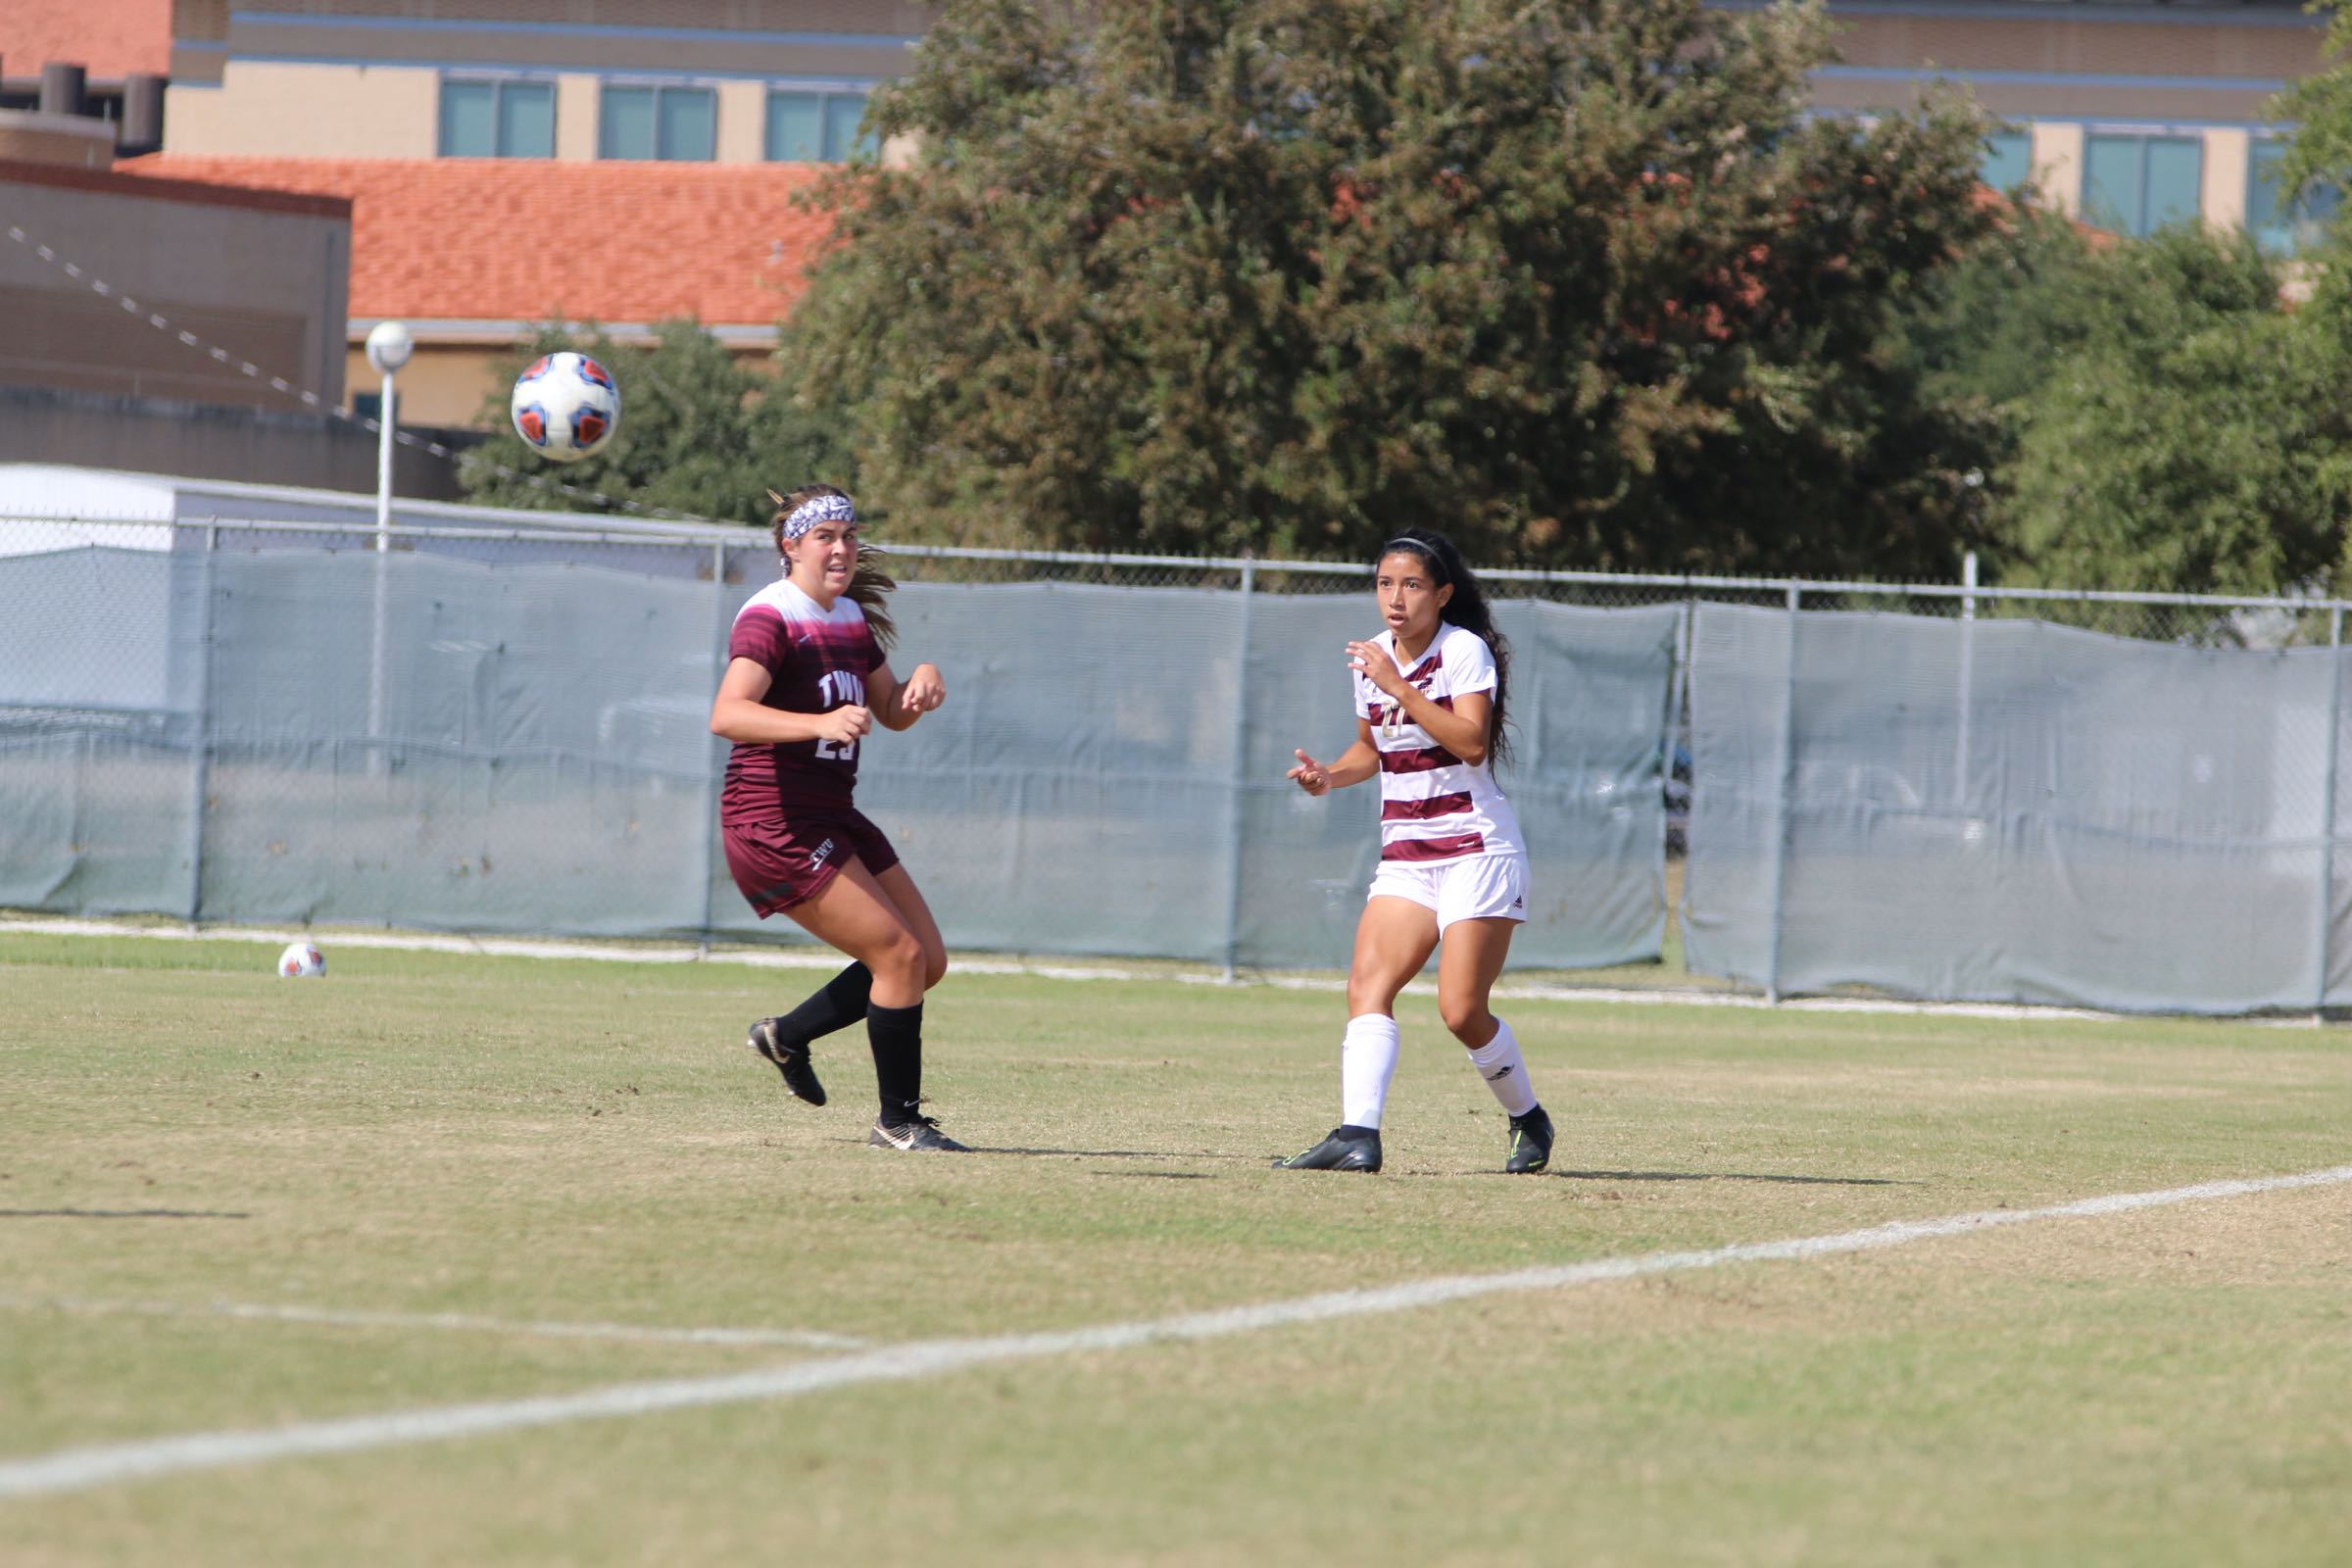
(490, 147)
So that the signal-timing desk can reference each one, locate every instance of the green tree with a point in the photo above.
(2186, 435)
(2320, 108)
(1577, 279)
(699, 434)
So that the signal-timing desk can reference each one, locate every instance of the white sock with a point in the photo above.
(1367, 1061)
(1499, 1062)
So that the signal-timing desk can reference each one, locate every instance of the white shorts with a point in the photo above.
(1474, 887)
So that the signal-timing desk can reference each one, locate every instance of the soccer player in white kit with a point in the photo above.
(1429, 710)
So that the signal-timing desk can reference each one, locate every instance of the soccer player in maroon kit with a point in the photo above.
(807, 680)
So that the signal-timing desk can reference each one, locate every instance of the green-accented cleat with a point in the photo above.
(1531, 1143)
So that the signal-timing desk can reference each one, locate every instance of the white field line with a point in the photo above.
(804, 1339)
(517, 947)
(79, 1469)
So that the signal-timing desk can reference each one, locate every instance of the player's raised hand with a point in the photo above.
(1309, 775)
(923, 691)
(1371, 662)
(844, 724)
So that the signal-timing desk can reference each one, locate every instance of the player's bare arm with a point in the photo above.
(898, 703)
(1354, 765)
(1463, 730)
(737, 715)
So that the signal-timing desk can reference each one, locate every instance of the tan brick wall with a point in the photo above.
(281, 111)
(2223, 199)
(446, 383)
(2205, 46)
(576, 100)
(2058, 167)
(742, 121)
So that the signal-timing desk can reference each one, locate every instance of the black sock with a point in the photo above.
(836, 1004)
(897, 1037)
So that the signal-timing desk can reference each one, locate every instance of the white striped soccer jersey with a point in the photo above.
(1434, 806)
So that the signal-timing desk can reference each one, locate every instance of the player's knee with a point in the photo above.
(1467, 1019)
(1364, 995)
(902, 960)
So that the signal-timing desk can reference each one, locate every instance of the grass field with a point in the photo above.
(195, 1154)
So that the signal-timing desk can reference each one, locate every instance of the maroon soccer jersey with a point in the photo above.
(817, 659)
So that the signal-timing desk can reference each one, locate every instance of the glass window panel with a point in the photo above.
(625, 128)
(2008, 160)
(843, 111)
(469, 119)
(794, 127)
(2279, 224)
(2314, 211)
(2175, 177)
(689, 124)
(2111, 184)
(2267, 217)
(526, 120)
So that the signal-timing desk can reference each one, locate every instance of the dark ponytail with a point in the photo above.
(1466, 608)
(870, 584)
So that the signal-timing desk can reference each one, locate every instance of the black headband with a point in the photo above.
(1401, 541)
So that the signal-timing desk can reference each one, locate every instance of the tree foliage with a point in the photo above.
(699, 434)
(2170, 416)
(2191, 440)
(2320, 108)
(1575, 280)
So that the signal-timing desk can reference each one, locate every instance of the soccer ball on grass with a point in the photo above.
(565, 406)
(300, 962)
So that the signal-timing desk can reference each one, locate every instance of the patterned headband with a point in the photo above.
(819, 508)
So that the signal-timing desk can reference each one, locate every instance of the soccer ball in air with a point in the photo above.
(300, 962)
(566, 406)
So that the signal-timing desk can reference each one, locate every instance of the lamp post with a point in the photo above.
(389, 349)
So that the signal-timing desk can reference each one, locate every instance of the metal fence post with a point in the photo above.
(714, 771)
(2327, 889)
(1241, 774)
(1780, 806)
(1678, 692)
(200, 770)
(1968, 672)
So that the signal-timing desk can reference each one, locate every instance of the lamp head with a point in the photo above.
(389, 346)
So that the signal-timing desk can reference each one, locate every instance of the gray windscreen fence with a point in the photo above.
(2014, 810)
(426, 739)
(488, 732)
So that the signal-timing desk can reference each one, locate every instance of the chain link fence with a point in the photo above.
(504, 729)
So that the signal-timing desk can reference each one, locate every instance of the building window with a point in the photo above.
(498, 118)
(2138, 184)
(2282, 223)
(808, 126)
(2008, 160)
(678, 125)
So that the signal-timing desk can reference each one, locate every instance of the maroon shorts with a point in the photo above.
(778, 864)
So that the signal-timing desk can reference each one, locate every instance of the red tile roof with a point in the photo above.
(501, 239)
(110, 38)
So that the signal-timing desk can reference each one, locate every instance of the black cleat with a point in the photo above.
(790, 1058)
(1346, 1148)
(1531, 1143)
(922, 1133)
